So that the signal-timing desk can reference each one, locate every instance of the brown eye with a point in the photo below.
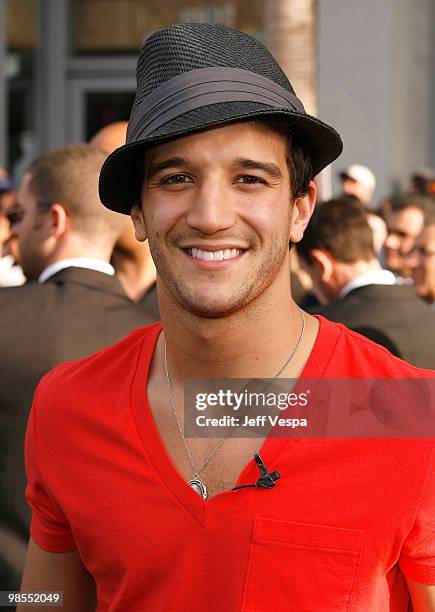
(248, 179)
(176, 179)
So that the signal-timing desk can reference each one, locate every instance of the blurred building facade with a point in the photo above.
(68, 68)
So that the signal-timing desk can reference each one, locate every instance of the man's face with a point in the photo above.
(5, 227)
(403, 228)
(7, 238)
(422, 263)
(217, 213)
(32, 233)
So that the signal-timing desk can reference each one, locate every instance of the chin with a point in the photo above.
(214, 302)
(211, 308)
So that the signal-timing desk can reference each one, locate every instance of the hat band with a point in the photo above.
(202, 87)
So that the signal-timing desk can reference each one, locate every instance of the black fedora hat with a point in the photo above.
(194, 76)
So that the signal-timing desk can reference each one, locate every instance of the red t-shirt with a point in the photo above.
(347, 519)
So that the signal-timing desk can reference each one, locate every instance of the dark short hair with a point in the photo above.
(69, 176)
(339, 227)
(298, 160)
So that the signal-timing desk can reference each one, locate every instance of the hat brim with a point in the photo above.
(120, 177)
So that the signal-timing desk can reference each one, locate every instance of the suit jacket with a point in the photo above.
(150, 302)
(391, 315)
(73, 314)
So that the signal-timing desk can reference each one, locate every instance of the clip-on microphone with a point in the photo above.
(266, 480)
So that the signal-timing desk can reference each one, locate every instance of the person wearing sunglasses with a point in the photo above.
(11, 274)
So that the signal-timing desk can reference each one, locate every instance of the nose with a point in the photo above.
(212, 209)
(392, 242)
(412, 260)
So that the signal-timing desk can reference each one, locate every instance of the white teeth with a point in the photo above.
(214, 255)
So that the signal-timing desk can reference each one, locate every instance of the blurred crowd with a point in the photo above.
(74, 279)
(371, 266)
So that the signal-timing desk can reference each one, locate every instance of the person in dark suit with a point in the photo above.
(337, 250)
(71, 306)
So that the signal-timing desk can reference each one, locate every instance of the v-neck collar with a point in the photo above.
(204, 511)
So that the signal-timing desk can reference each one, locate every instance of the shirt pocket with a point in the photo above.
(299, 567)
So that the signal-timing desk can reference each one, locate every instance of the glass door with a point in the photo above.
(96, 102)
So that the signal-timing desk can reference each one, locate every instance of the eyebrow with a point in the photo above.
(155, 168)
(242, 162)
(252, 164)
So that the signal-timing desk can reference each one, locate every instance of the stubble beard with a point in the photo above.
(218, 303)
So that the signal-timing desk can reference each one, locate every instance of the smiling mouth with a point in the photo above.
(220, 255)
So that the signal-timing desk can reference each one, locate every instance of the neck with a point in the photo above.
(135, 270)
(76, 246)
(347, 272)
(252, 343)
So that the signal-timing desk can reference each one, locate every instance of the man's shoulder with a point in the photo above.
(355, 356)
(371, 296)
(19, 304)
(41, 292)
(112, 365)
(16, 293)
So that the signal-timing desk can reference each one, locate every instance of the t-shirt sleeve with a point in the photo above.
(417, 560)
(49, 527)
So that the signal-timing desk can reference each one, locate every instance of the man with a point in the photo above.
(405, 222)
(217, 174)
(132, 260)
(360, 182)
(337, 250)
(72, 306)
(422, 264)
(11, 274)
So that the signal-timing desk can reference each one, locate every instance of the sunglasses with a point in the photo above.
(16, 214)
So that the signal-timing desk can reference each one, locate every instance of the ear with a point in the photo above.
(59, 220)
(302, 210)
(324, 263)
(137, 217)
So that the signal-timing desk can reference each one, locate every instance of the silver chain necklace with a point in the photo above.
(196, 482)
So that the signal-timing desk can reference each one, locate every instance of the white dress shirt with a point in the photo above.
(11, 275)
(91, 263)
(372, 277)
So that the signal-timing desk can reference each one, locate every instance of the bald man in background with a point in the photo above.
(131, 259)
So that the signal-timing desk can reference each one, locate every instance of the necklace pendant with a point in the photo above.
(199, 487)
